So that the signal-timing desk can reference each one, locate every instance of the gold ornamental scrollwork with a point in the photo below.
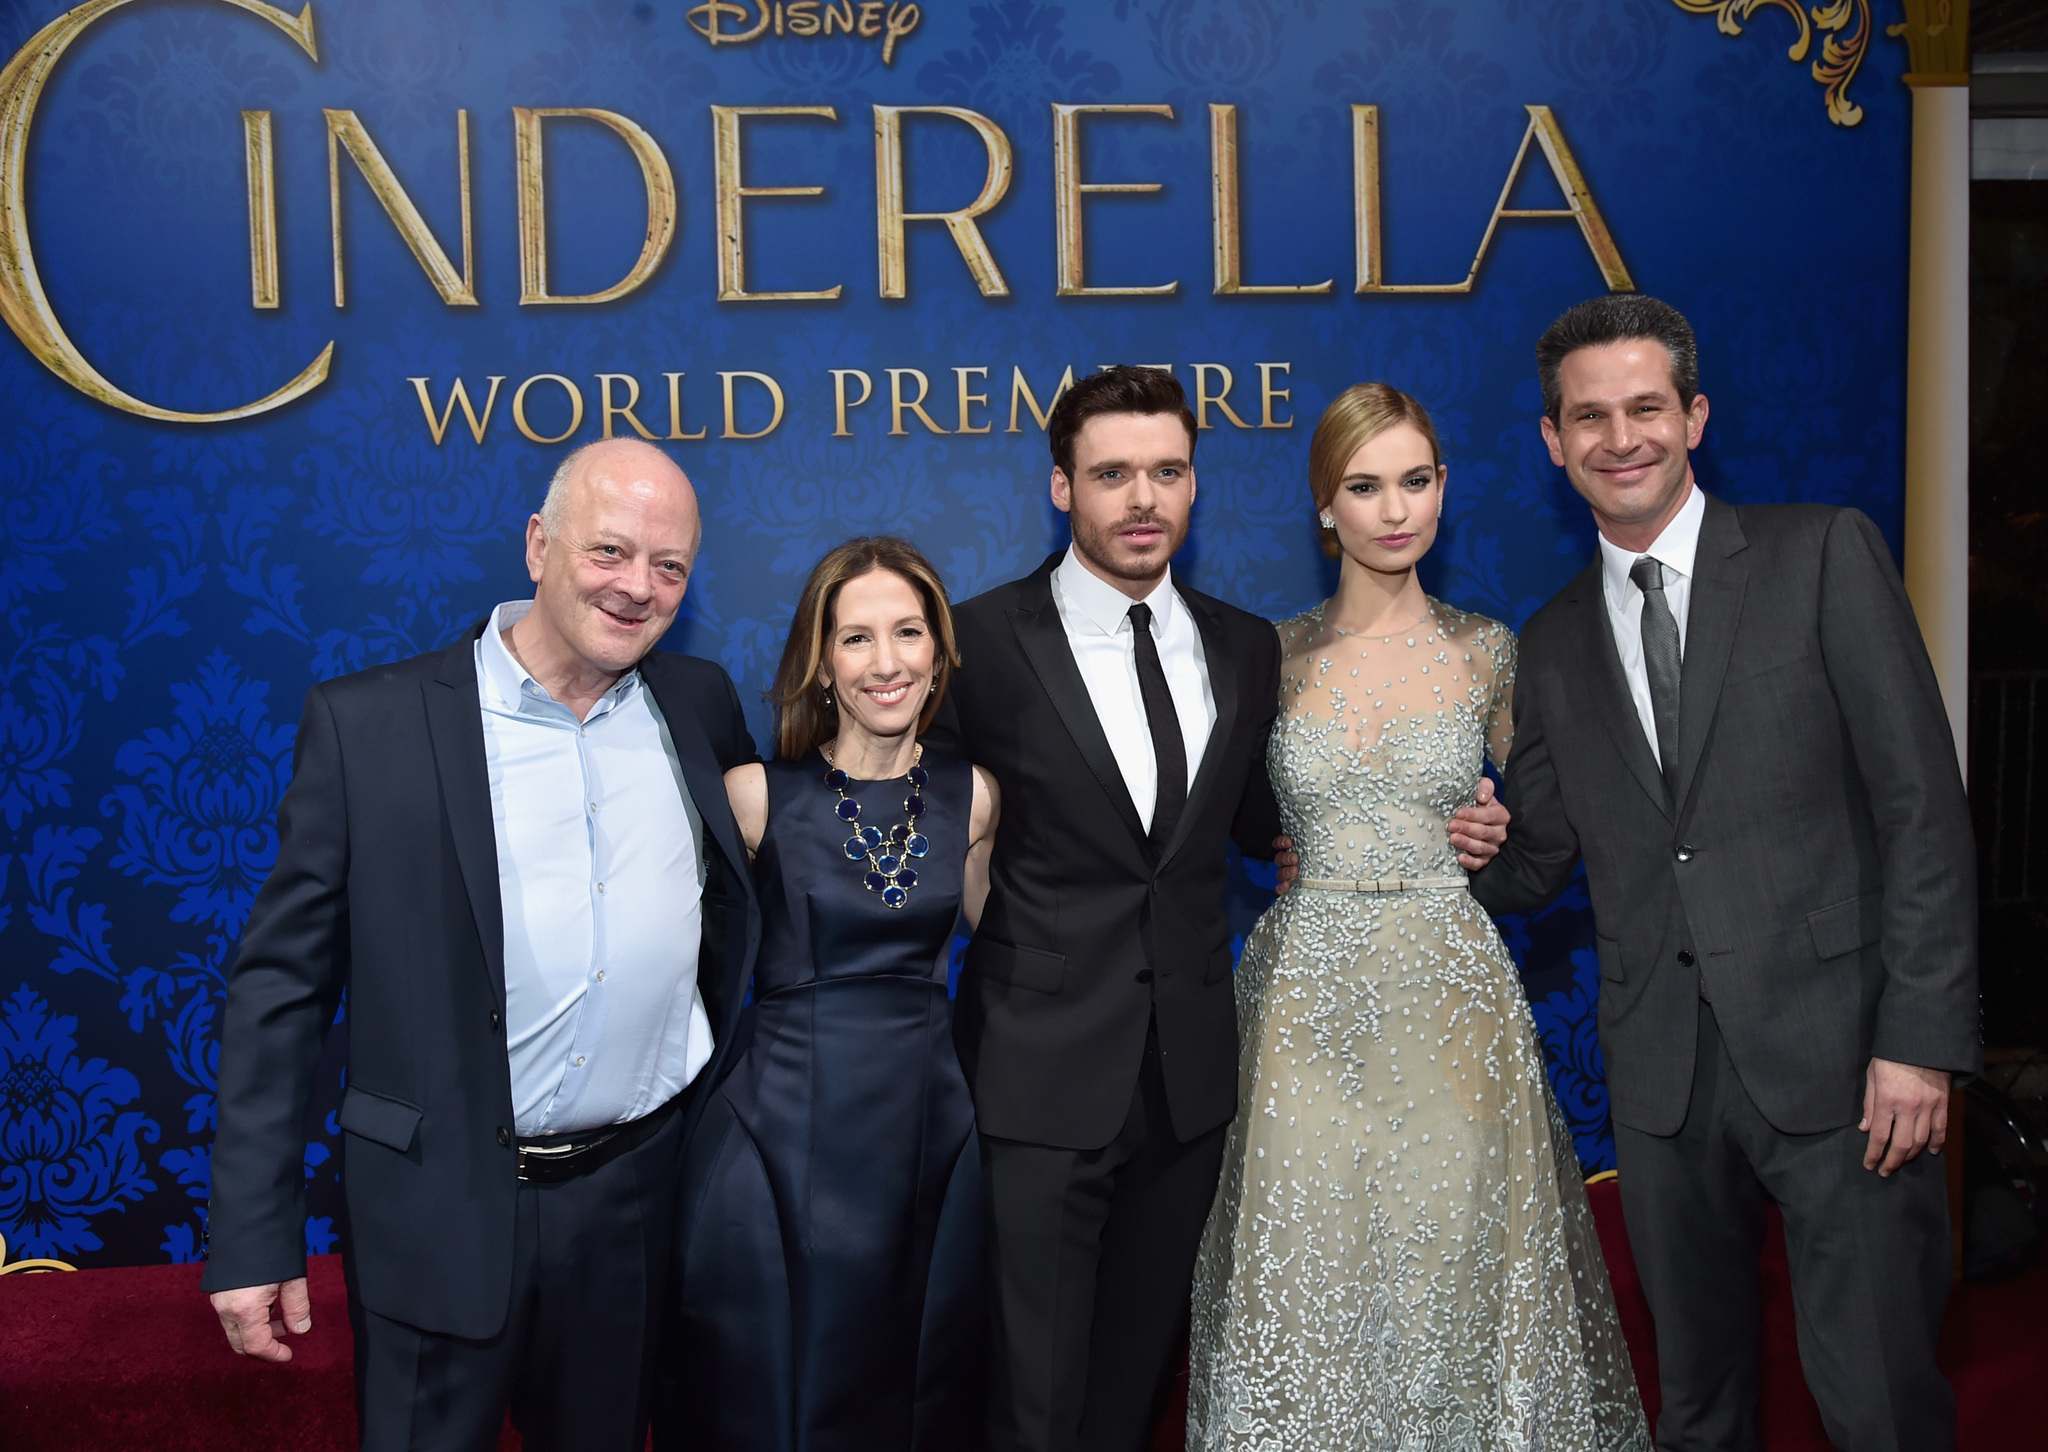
(29, 1267)
(1841, 49)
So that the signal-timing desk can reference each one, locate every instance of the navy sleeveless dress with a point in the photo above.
(832, 1296)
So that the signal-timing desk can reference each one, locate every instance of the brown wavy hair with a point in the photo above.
(1356, 416)
(803, 719)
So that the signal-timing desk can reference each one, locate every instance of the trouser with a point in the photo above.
(573, 1363)
(1869, 1258)
(1091, 1254)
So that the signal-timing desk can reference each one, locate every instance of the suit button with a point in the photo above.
(1685, 958)
(494, 1020)
(504, 1135)
(1684, 854)
(1144, 975)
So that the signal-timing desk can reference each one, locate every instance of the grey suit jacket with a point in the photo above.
(1816, 880)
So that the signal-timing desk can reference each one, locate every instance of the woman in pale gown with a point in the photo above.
(1400, 1257)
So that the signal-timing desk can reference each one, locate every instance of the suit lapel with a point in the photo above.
(1223, 690)
(1044, 640)
(1719, 581)
(699, 764)
(456, 728)
(1600, 667)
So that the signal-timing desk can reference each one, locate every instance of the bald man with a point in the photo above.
(516, 859)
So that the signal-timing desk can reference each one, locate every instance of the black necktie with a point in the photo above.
(1660, 661)
(1169, 749)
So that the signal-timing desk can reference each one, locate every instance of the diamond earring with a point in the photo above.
(1327, 520)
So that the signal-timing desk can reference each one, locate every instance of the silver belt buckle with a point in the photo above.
(543, 1153)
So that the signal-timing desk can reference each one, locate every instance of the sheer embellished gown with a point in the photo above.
(1400, 1257)
(832, 1296)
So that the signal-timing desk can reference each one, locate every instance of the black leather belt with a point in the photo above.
(550, 1158)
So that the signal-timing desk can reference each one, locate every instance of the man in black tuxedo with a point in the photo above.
(516, 858)
(1729, 715)
(1125, 716)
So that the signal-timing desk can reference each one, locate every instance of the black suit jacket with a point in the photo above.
(1089, 932)
(1816, 880)
(386, 885)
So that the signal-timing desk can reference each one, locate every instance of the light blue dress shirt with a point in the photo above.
(600, 870)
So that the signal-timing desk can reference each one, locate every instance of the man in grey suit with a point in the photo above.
(1729, 715)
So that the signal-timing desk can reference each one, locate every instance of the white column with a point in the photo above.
(1938, 392)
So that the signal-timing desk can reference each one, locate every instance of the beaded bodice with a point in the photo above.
(1380, 738)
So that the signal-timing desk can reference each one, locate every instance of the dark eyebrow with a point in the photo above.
(1367, 478)
(1175, 462)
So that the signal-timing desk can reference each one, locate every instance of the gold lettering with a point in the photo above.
(732, 251)
(902, 20)
(1203, 398)
(890, 216)
(870, 17)
(575, 407)
(23, 303)
(1365, 197)
(839, 399)
(607, 410)
(897, 402)
(346, 133)
(840, 11)
(1564, 167)
(438, 426)
(1020, 390)
(1225, 214)
(1579, 204)
(256, 148)
(803, 17)
(1267, 393)
(533, 212)
(965, 426)
(774, 392)
(1069, 189)
(704, 19)
(675, 408)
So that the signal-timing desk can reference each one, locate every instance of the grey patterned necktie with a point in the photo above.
(1660, 661)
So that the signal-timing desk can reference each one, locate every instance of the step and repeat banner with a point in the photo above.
(304, 307)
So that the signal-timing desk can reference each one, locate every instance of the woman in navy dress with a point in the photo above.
(832, 1293)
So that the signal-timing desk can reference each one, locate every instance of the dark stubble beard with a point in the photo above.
(1098, 546)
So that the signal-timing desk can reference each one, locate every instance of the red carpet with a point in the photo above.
(134, 1359)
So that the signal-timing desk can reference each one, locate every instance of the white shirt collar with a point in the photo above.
(507, 686)
(1087, 600)
(1675, 548)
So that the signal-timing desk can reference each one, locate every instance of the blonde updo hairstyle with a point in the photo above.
(1356, 416)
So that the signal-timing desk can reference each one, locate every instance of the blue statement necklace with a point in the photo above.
(886, 855)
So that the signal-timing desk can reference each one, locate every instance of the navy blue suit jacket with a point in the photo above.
(386, 886)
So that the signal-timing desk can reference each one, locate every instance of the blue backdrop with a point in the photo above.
(170, 588)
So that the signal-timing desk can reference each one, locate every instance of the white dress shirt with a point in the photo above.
(1097, 618)
(600, 870)
(1675, 549)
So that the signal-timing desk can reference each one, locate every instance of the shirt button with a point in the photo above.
(579, 1061)
(600, 887)
(504, 1135)
(600, 975)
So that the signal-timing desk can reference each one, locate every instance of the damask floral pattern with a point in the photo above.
(68, 1147)
(167, 592)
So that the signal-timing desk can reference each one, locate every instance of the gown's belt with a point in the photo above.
(1383, 884)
